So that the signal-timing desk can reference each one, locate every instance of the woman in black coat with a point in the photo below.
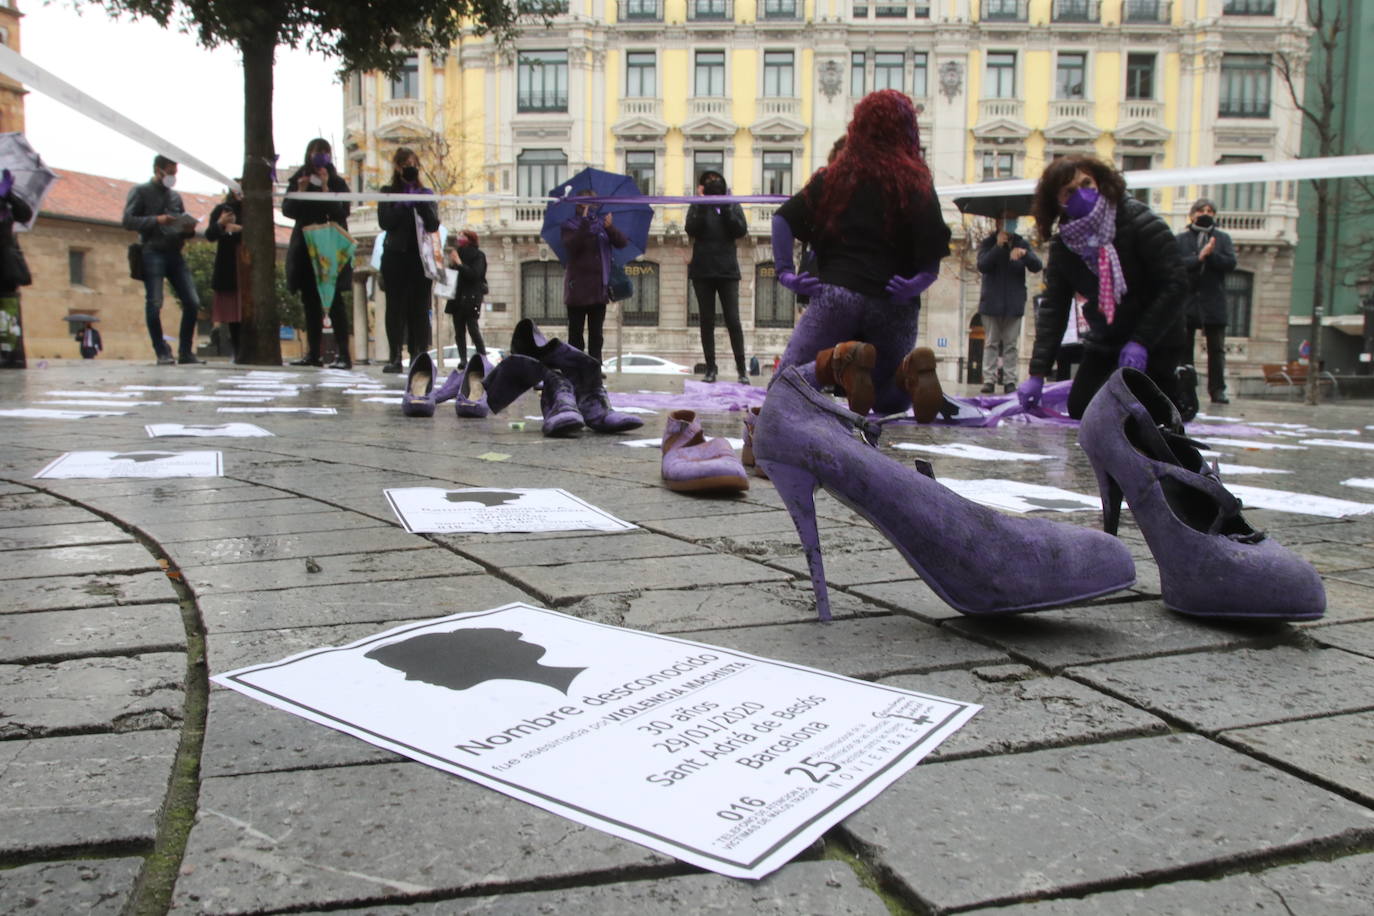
(14, 273)
(466, 307)
(714, 270)
(317, 174)
(225, 229)
(408, 287)
(1115, 252)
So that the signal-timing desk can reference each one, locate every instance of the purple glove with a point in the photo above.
(803, 284)
(1028, 392)
(1133, 356)
(6, 183)
(905, 289)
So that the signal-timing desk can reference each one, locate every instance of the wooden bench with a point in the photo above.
(1292, 377)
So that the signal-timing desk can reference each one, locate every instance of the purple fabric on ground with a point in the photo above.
(698, 396)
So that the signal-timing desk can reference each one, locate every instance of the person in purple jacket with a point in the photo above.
(588, 238)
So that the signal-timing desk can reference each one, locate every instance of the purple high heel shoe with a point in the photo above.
(418, 399)
(559, 406)
(471, 396)
(977, 560)
(1211, 562)
(582, 370)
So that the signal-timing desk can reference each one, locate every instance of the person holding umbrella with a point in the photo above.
(588, 237)
(1003, 259)
(88, 337)
(316, 174)
(408, 286)
(714, 269)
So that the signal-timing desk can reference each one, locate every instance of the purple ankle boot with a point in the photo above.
(559, 405)
(694, 464)
(1211, 562)
(582, 370)
(471, 395)
(418, 398)
(976, 559)
(508, 379)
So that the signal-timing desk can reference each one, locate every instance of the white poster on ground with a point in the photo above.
(147, 463)
(218, 430)
(727, 761)
(1017, 496)
(40, 413)
(485, 510)
(973, 452)
(1300, 503)
(313, 411)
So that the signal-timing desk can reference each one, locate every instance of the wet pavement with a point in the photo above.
(1128, 759)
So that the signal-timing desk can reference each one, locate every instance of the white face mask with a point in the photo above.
(169, 181)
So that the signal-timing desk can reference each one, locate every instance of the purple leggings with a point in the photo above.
(837, 314)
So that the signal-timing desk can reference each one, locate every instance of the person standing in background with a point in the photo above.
(1208, 256)
(225, 230)
(156, 213)
(466, 307)
(588, 238)
(316, 175)
(1003, 259)
(408, 287)
(714, 269)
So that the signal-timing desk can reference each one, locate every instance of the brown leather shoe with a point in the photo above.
(917, 376)
(850, 365)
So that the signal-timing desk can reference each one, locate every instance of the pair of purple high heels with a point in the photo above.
(464, 387)
(982, 562)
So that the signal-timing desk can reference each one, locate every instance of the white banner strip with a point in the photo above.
(35, 77)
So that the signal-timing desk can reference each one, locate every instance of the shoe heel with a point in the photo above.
(1110, 491)
(798, 491)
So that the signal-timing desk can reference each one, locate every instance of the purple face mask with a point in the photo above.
(1081, 202)
(321, 160)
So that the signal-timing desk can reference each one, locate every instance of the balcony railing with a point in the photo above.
(1248, 8)
(355, 117)
(708, 105)
(780, 10)
(541, 101)
(1004, 11)
(710, 10)
(639, 11)
(774, 105)
(541, 7)
(1243, 108)
(1242, 222)
(1066, 109)
(403, 109)
(1140, 110)
(992, 109)
(1075, 11)
(643, 107)
(529, 213)
(1146, 11)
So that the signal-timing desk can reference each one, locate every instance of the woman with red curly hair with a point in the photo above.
(874, 222)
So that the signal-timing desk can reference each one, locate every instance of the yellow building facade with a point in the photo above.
(761, 89)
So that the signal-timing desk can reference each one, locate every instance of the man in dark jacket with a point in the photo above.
(1208, 256)
(156, 213)
(714, 270)
(1003, 259)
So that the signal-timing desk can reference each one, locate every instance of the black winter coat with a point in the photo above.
(713, 231)
(472, 281)
(1151, 312)
(1206, 302)
(1003, 293)
(398, 219)
(14, 270)
(225, 277)
(299, 273)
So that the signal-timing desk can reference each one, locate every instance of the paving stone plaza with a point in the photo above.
(1128, 760)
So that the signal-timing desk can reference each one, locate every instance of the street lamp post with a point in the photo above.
(1364, 287)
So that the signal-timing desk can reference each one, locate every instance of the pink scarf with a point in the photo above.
(1091, 237)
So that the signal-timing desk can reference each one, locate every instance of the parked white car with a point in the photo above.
(451, 356)
(640, 362)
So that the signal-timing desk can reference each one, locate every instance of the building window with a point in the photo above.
(780, 9)
(887, 70)
(710, 74)
(1140, 76)
(1004, 10)
(355, 88)
(1240, 198)
(920, 87)
(1248, 8)
(639, 165)
(889, 11)
(1001, 77)
(1144, 10)
(641, 10)
(998, 165)
(708, 160)
(1240, 286)
(1074, 11)
(1244, 86)
(1138, 164)
(777, 173)
(406, 83)
(641, 75)
(857, 81)
(777, 75)
(860, 9)
(537, 171)
(641, 309)
(708, 9)
(775, 306)
(542, 81)
(694, 307)
(1070, 75)
(541, 291)
(76, 266)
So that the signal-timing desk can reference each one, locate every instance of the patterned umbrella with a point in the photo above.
(331, 250)
(32, 178)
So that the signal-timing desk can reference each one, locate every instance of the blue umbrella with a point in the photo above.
(631, 219)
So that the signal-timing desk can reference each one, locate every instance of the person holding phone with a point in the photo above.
(317, 174)
(156, 213)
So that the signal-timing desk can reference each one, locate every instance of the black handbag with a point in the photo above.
(13, 268)
(136, 261)
(620, 287)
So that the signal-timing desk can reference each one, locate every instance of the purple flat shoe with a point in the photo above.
(694, 464)
(418, 399)
(1211, 562)
(582, 370)
(977, 560)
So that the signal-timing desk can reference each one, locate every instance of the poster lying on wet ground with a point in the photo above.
(206, 430)
(485, 510)
(134, 463)
(728, 761)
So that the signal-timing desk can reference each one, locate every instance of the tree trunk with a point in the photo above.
(261, 340)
